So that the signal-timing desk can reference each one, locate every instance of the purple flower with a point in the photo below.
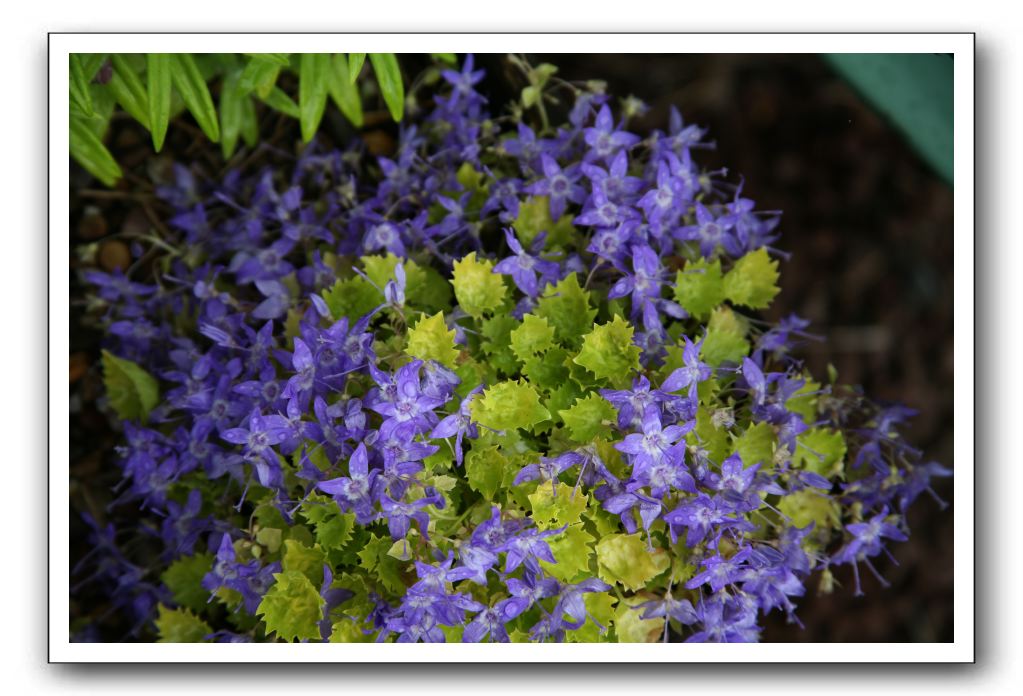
(559, 185)
(604, 139)
(524, 268)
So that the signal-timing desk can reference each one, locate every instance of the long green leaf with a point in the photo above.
(158, 79)
(259, 75)
(189, 83)
(230, 113)
(250, 125)
(91, 63)
(344, 93)
(355, 61)
(279, 101)
(128, 89)
(80, 97)
(90, 152)
(280, 59)
(312, 91)
(385, 65)
(449, 58)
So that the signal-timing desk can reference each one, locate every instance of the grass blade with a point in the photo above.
(90, 152)
(279, 101)
(158, 87)
(355, 61)
(385, 65)
(343, 92)
(189, 83)
(80, 97)
(128, 90)
(312, 91)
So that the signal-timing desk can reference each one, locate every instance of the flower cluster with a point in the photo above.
(503, 385)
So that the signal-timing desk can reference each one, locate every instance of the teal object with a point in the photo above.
(914, 91)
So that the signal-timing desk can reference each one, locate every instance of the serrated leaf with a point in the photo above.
(90, 152)
(158, 90)
(609, 352)
(810, 505)
(184, 577)
(348, 631)
(756, 445)
(333, 528)
(478, 289)
(725, 340)
(292, 608)
(132, 391)
(314, 69)
(822, 451)
(804, 401)
(344, 93)
(631, 627)
(589, 418)
(626, 560)
(353, 298)
(190, 84)
(567, 307)
(534, 335)
(599, 610)
(304, 559)
(355, 61)
(424, 286)
(508, 405)
(392, 89)
(128, 89)
(700, 287)
(534, 217)
(550, 510)
(705, 435)
(547, 370)
(81, 98)
(180, 626)
(753, 280)
(430, 339)
(486, 468)
(385, 569)
(573, 550)
(497, 346)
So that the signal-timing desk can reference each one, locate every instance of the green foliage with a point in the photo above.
(392, 89)
(312, 91)
(725, 340)
(534, 335)
(478, 289)
(486, 469)
(573, 551)
(753, 280)
(352, 297)
(550, 510)
(821, 450)
(756, 445)
(145, 88)
(589, 418)
(132, 391)
(180, 626)
(508, 405)
(566, 306)
(808, 505)
(183, 578)
(631, 627)
(430, 339)
(609, 352)
(292, 608)
(497, 344)
(304, 559)
(625, 559)
(375, 557)
(190, 84)
(700, 287)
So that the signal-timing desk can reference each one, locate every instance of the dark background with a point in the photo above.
(869, 226)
